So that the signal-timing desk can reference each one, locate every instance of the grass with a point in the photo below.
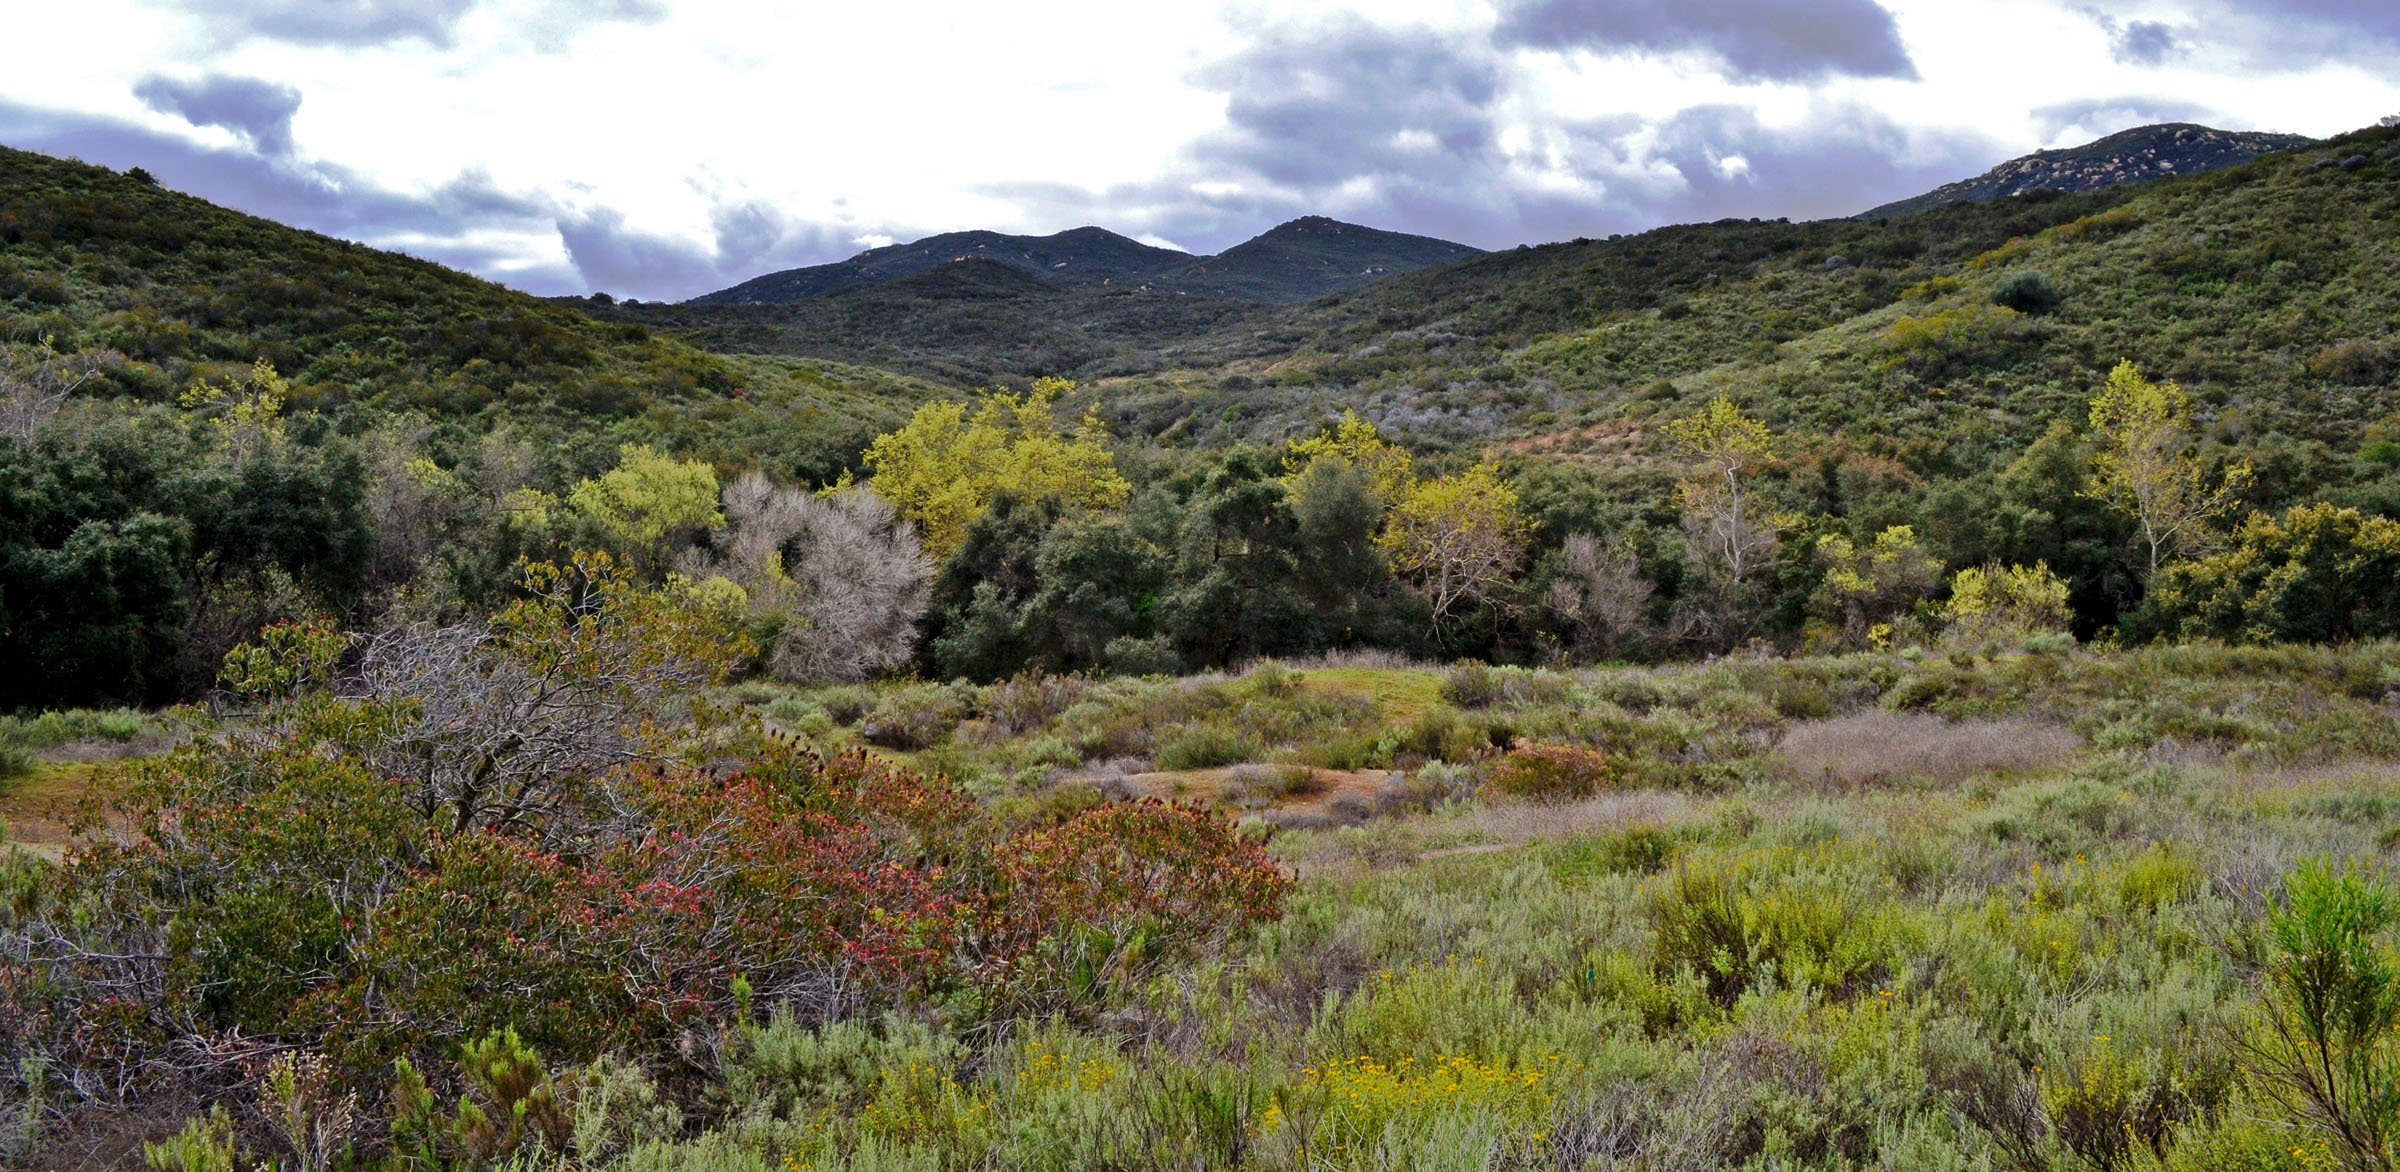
(1400, 694)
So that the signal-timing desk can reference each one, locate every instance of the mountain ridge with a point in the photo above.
(1297, 260)
(2133, 155)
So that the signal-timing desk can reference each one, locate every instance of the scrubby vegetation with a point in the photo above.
(2051, 910)
(1866, 694)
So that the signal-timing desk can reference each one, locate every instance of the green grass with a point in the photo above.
(1398, 694)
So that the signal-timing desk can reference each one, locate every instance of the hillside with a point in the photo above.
(2265, 286)
(187, 288)
(1077, 256)
(1313, 256)
(968, 322)
(1304, 258)
(2128, 156)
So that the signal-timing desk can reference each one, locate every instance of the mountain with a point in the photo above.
(2128, 156)
(1312, 256)
(1305, 258)
(1076, 256)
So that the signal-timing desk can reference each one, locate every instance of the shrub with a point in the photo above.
(1532, 769)
(1120, 889)
(1993, 603)
(2353, 362)
(1728, 919)
(916, 717)
(2058, 819)
(1204, 747)
(2333, 998)
(2026, 292)
(1469, 684)
(1021, 704)
(2317, 574)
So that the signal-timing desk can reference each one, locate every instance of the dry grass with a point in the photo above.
(1871, 748)
(1602, 814)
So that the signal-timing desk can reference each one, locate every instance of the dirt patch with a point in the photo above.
(1290, 793)
(38, 806)
(1617, 441)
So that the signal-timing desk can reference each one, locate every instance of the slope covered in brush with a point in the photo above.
(99, 258)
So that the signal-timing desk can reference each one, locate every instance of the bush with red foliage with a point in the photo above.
(1118, 889)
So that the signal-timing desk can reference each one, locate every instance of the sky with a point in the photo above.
(661, 149)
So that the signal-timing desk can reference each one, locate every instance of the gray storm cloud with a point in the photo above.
(1782, 40)
(376, 22)
(258, 111)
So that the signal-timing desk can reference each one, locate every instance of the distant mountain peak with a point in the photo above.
(2137, 155)
(1297, 260)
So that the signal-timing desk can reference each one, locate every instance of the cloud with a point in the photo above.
(2272, 34)
(1839, 158)
(470, 223)
(1777, 40)
(376, 22)
(747, 239)
(1403, 129)
(258, 111)
(1353, 99)
(332, 22)
(2144, 42)
(2077, 122)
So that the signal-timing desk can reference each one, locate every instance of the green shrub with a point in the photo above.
(1804, 917)
(204, 1145)
(2026, 292)
(917, 717)
(2333, 1000)
(1206, 746)
(2058, 820)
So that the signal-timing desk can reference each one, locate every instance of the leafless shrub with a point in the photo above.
(307, 1111)
(1021, 705)
(1987, 1088)
(1373, 658)
(1869, 748)
(494, 727)
(1599, 596)
(36, 380)
(847, 574)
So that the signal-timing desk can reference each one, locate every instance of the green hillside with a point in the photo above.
(183, 286)
(2271, 289)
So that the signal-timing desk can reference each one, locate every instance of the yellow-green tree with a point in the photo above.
(1868, 587)
(1996, 603)
(2143, 464)
(1726, 529)
(1456, 538)
(246, 415)
(1723, 449)
(943, 469)
(648, 498)
(1389, 470)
